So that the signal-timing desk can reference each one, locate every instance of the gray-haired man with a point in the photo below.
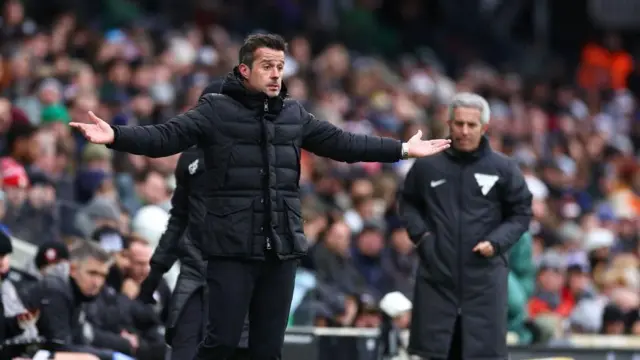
(464, 209)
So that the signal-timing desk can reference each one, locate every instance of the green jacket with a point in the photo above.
(521, 285)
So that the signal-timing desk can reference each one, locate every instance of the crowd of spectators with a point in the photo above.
(576, 138)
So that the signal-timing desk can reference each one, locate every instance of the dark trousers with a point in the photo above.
(188, 330)
(455, 349)
(264, 289)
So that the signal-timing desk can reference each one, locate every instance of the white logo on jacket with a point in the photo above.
(193, 167)
(486, 182)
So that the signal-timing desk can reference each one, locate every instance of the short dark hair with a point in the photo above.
(257, 41)
(87, 250)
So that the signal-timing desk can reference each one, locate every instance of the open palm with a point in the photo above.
(422, 148)
(96, 131)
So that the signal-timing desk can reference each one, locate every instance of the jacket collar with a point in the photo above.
(234, 87)
(470, 156)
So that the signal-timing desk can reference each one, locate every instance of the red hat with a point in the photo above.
(13, 174)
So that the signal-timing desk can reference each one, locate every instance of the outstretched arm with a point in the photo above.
(179, 133)
(324, 139)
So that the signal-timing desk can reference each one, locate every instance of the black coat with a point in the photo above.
(451, 202)
(188, 209)
(63, 320)
(252, 146)
(111, 312)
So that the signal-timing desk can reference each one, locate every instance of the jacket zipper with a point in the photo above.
(266, 110)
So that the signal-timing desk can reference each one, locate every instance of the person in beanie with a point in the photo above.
(56, 118)
(51, 256)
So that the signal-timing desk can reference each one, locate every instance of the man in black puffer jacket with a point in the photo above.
(252, 137)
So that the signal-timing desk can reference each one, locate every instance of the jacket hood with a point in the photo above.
(234, 87)
(215, 87)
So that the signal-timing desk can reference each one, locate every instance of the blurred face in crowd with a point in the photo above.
(154, 189)
(139, 257)
(42, 196)
(578, 281)
(89, 275)
(301, 50)
(13, 12)
(4, 264)
(27, 149)
(82, 104)
(370, 243)
(338, 238)
(297, 89)
(16, 196)
(120, 73)
(550, 280)
(266, 71)
(466, 128)
(362, 188)
(107, 190)
(50, 94)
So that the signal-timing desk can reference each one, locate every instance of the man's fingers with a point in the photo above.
(94, 119)
(478, 247)
(441, 142)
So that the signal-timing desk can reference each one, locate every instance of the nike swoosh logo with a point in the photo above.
(438, 183)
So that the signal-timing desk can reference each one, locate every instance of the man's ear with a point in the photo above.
(245, 71)
(73, 268)
(485, 128)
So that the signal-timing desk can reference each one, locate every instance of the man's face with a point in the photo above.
(551, 280)
(139, 257)
(266, 72)
(90, 275)
(466, 128)
(370, 243)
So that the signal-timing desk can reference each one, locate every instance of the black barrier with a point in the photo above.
(338, 344)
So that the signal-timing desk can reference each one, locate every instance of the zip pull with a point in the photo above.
(268, 243)
(266, 105)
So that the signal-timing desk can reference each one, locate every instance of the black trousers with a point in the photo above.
(455, 349)
(188, 330)
(264, 289)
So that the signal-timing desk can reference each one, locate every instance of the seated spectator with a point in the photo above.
(579, 284)
(37, 220)
(139, 258)
(62, 320)
(403, 261)
(52, 258)
(126, 326)
(548, 296)
(372, 260)
(111, 240)
(334, 263)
